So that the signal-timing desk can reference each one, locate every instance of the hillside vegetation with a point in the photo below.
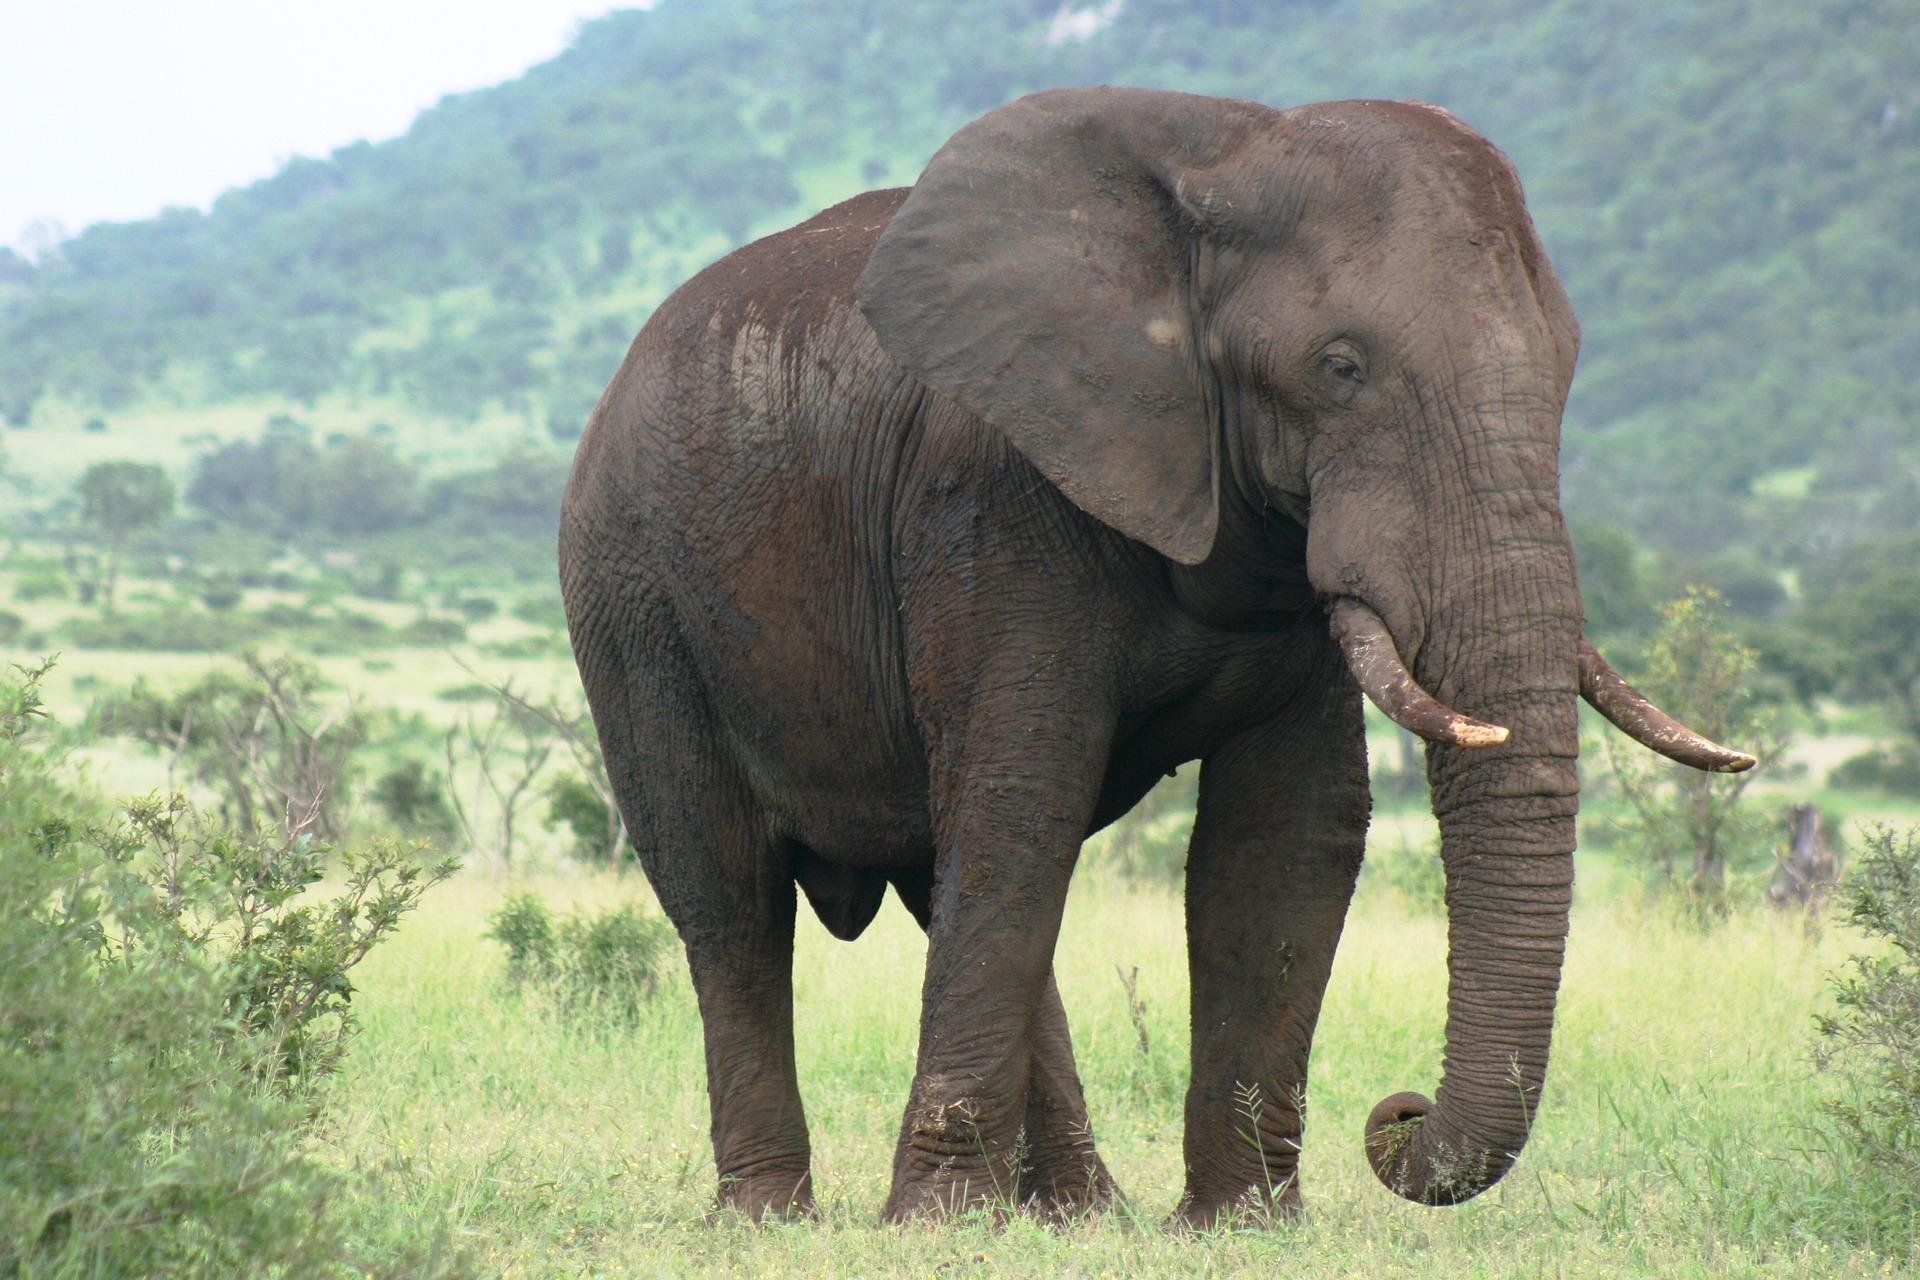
(1725, 185)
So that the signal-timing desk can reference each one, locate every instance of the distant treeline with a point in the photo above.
(285, 483)
(1728, 189)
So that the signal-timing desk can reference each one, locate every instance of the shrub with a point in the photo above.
(1874, 1033)
(260, 737)
(41, 580)
(1895, 771)
(476, 608)
(1416, 875)
(1150, 842)
(1691, 829)
(186, 893)
(541, 609)
(167, 1007)
(545, 645)
(468, 691)
(220, 593)
(427, 630)
(11, 626)
(415, 801)
(577, 807)
(608, 964)
(171, 629)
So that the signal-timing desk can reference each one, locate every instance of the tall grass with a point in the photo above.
(1679, 1134)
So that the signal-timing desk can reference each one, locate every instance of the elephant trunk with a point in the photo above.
(1506, 652)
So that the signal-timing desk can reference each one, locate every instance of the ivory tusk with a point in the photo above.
(1375, 662)
(1630, 712)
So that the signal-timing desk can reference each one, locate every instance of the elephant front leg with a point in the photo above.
(1009, 817)
(1276, 849)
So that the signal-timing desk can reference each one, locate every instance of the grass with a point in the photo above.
(1672, 1142)
(1677, 1137)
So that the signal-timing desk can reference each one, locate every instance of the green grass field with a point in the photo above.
(1673, 1141)
(1680, 1134)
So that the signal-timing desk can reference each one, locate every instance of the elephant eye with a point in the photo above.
(1343, 368)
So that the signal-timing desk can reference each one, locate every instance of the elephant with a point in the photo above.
(913, 544)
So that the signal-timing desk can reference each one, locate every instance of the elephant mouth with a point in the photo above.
(1377, 668)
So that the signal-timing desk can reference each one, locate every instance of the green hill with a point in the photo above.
(1731, 191)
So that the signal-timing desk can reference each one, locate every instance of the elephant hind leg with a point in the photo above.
(1061, 1174)
(727, 885)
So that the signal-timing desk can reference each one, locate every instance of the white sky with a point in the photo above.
(114, 109)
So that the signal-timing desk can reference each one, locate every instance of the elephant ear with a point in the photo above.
(1039, 275)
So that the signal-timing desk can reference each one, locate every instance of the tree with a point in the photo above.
(265, 484)
(1705, 678)
(260, 738)
(494, 757)
(121, 499)
(362, 486)
(1867, 602)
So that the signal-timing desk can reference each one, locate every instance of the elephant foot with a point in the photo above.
(953, 1194)
(1064, 1179)
(1249, 1207)
(762, 1197)
(949, 1161)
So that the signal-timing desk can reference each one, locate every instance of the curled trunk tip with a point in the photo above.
(1375, 662)
(1415, 1165)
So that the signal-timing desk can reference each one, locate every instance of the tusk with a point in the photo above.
(1647, 724)
(1377, 668)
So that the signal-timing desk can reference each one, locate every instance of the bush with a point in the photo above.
(1416, 875)
(261, 737)
(1873, 1035)
(576, 806)
(1689, 830)
(1150, 842)
(476, 608)
(542, 609)
(607, 964)
(427, 630)
(220, 593)
(167, 1008)
(41, 580)
(179, 890)
(170, 629)
(416, 801)
(1895, 771)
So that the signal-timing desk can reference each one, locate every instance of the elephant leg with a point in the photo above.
(1061, 1174)
(1012, 797)
(743, 977)
(726, 885)
(1277, 844)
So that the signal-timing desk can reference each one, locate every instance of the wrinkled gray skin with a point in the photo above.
(914, 543)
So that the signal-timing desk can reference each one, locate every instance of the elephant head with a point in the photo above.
(1187, 312)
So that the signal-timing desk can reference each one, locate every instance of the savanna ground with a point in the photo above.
(1680, 1134)
(1676, 1137)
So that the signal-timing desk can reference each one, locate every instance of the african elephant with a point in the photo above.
(913, 544)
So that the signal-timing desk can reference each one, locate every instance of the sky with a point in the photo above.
(114, 109)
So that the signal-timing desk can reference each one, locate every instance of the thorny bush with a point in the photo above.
(1873, 1035)
(172, 995)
